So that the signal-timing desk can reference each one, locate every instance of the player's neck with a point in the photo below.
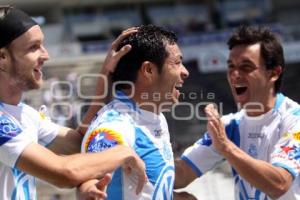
(9, 93)
(263, 107)
(142, 100)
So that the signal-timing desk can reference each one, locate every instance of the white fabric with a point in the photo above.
(20, 126)
(121, 122)
(273, 137)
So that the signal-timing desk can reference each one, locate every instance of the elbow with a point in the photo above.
(69, 177)
(278, 190)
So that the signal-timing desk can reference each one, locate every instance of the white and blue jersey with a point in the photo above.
(20, 126)
(122, 122)
(273, 137)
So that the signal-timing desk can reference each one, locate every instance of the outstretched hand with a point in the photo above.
(113, 56)
(215, 128)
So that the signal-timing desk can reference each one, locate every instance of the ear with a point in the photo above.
(275, 73)
(2, 59)
(148, 71)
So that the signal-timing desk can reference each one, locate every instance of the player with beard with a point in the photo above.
(30, 145)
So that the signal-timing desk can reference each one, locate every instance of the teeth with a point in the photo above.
(240, 86)
(179, 85)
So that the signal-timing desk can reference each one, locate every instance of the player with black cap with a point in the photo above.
(30, 146)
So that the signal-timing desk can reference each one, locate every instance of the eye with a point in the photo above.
(246, 68)
(178, 63)
(34, 47)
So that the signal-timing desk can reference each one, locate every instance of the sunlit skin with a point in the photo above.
(23, 61)
(162, 87)
(172, 76)
(249, 79)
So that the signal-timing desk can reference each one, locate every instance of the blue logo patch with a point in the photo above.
(8, 129)
(100, 143)
(252, 151)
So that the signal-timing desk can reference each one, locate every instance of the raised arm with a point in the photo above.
(109, 65)
(68, 141)
(272, 180)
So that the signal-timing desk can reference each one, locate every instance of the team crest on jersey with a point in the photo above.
(8, 129)
(103, 138)
(253, 150)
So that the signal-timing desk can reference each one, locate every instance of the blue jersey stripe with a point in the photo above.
(286, 167)
(257, 194)
(130, 103)
(149, 153)
(244, 189)
(167, 188)
(26, 190)
(233, 132)
(192, 165)
(114, 191)
(279, 100)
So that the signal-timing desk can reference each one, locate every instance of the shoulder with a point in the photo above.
(285, 105)
(111, 127)
(289, 111)
(31, 113)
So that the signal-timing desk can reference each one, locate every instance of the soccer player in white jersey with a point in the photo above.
(262, 140)
(147, 80)
(30, 145)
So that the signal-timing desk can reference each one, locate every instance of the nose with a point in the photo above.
(45, 55)
(184, 72)
(234, 73)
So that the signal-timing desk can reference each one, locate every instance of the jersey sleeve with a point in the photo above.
(13, 140)
(201, 156)
(47, 130)
(108, 130)
(286, 153)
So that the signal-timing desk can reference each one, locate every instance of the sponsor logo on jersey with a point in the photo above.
(8, 129)
(157, 132)
(103, 138)
(255, 135)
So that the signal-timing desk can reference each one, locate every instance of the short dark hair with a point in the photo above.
(271, 48)
(148, 44)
